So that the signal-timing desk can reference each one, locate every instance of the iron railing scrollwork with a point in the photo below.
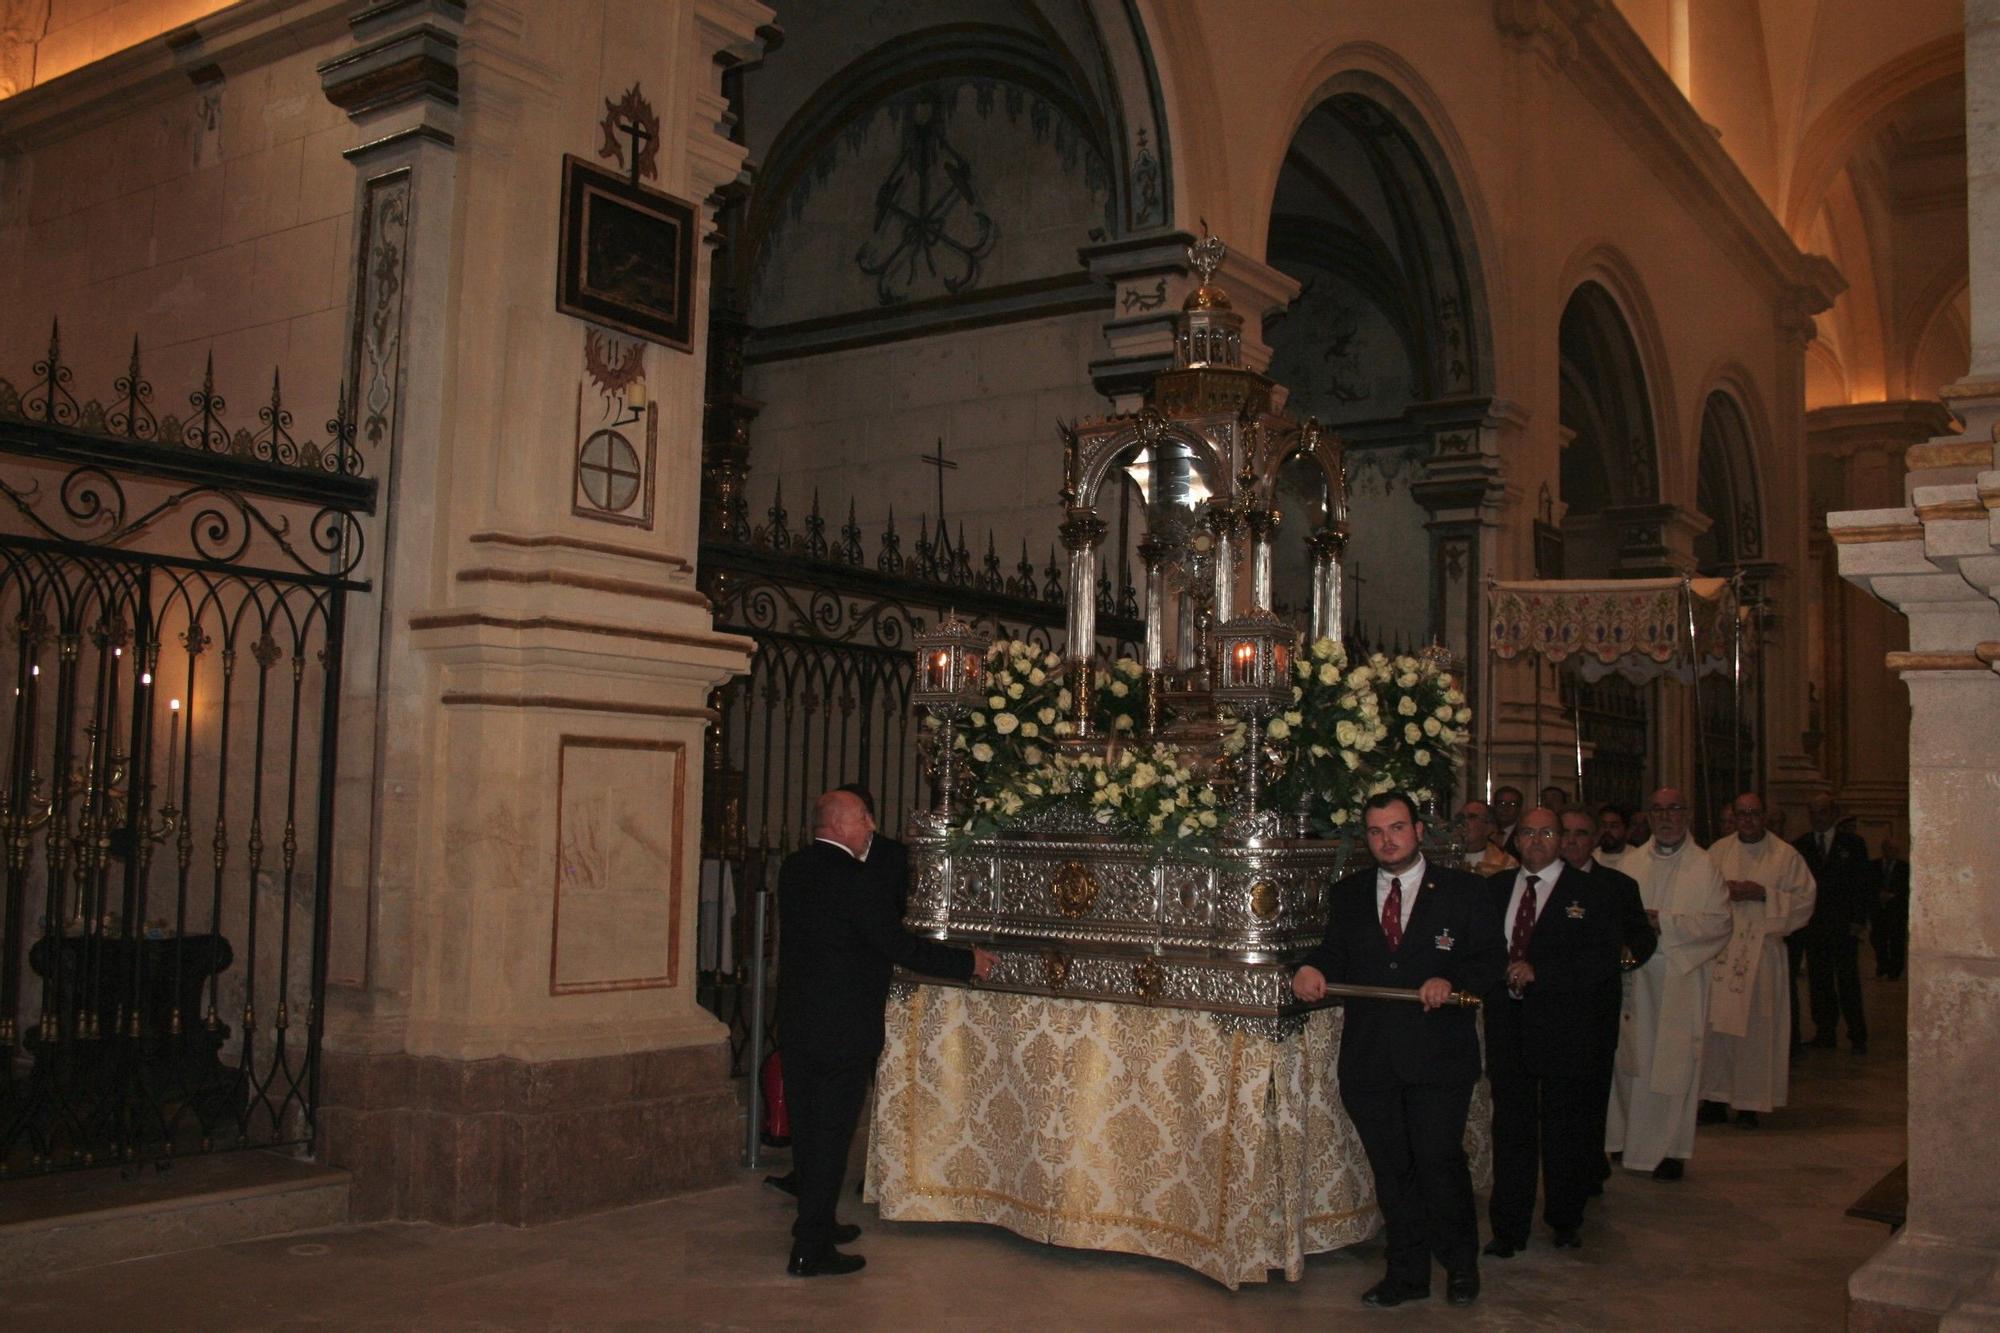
(172, 610)
(826, 699)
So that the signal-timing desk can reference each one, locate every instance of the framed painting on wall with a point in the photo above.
(627, 256)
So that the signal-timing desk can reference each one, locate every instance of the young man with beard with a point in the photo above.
(1407, 1067)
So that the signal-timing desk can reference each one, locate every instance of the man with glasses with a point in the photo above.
(1545, 1035)
(1658, 1078)
(1747, 1062)
(1475, 832)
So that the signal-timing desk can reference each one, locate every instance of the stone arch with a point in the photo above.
(1390, 334)
(1415, 146)
(1856, 115)
(1727, 492)
(1614, 460)
(1607, 396)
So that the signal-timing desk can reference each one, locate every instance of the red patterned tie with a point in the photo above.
(1524, 924)
(1392, 915)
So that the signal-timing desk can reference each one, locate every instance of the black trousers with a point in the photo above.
(1414, 1135)
(824, 1097)
(1834, 969)
(1891, 935)
(1550, 1123)
(1795, 955)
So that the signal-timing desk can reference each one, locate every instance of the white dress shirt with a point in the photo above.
(1545, 883)
(1412, 880)
(843, 847)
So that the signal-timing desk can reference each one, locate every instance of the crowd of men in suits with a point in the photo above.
(1631, 982)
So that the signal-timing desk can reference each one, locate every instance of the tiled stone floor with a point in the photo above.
(1754, 1238)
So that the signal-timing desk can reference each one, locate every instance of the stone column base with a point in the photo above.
(504, 1140)
(1916, 1284)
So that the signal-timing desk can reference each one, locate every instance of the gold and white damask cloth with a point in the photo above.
(1121, 1127)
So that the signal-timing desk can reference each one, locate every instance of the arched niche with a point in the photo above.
(1726, 489)
(903, 264)
(1389, 324)
(1610, 455)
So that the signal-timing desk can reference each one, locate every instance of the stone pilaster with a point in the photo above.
(517, 1038)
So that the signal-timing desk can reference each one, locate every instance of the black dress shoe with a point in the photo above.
(828, 1262)
(1748, 1120)
(1712, 1113)
(1462, 1288)
(1823, 1042)
(1389, 1293)
(1504, 1249)
(1670, 1168)
(846, 1233)
(787, 1183)
(1568, 1238)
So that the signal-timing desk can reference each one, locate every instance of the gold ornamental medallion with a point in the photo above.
(1075, 889)
(1146, 977)
(1055, 969)
(1264, 900)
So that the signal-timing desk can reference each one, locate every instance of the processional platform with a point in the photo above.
(1132, 1076)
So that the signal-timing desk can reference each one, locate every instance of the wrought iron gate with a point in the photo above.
(826, 700)
(172, 595)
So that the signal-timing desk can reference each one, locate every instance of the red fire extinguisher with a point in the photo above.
(777, 1128)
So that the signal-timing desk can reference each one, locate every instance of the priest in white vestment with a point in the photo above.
(1658, 1080)
(1747, 1062)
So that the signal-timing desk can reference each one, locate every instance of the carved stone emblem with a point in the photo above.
(1075, 888)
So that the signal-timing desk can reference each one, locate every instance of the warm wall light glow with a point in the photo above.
(75, 40)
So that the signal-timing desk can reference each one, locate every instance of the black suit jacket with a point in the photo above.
(1846, 877)
(887, 871)
(1893, 877)
(839, 941)
(1557, 1028)
(1454, 933)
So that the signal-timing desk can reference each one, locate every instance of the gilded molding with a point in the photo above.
(1896, 532)
(1937, 661)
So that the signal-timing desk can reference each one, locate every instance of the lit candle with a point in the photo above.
(173, 749)
(1246, 653)
(635, 394)
(940, 668)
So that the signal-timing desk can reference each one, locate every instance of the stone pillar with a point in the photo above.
(512, 1030)
(1860, 450)
(1463, 486)
(1936, 558)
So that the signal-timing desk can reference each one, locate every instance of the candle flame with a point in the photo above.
(174, 705)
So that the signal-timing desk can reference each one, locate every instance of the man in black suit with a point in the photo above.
(1506, 809)
(1891, 931)
(1407, 1068)
(1581, 845)
(838, 944)
(885, 869)
(886, 863)
(1845, 873)
(1545, 1035)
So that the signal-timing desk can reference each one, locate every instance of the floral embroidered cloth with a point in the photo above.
(1636, 627)
(1121, 1127)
